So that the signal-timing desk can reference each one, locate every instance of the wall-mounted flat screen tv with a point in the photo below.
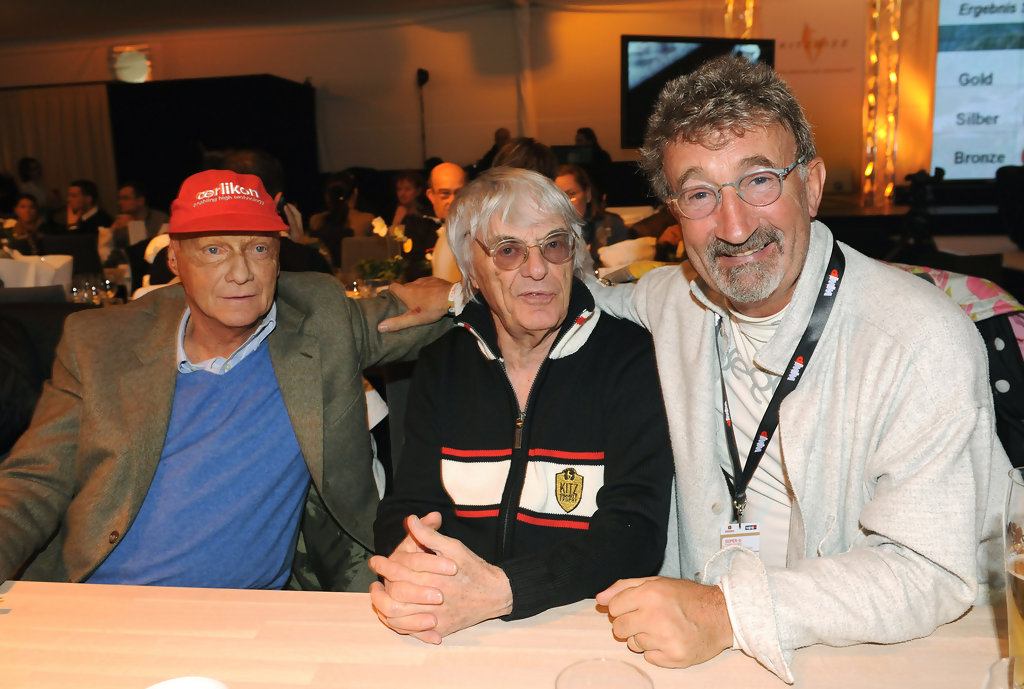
(649, 62)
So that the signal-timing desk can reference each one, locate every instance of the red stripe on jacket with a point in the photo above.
(476, 513)
(476, 453)
(557, 523)
(561, 454)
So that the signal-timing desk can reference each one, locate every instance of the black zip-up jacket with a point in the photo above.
(567, 495)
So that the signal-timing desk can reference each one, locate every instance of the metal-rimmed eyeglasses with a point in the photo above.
(758, 188)
(508, 254)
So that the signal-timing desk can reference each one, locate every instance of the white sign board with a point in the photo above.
(979, 88)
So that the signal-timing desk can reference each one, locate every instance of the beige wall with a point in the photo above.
(364, 71)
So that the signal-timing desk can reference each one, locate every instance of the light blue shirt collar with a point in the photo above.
(218, 364)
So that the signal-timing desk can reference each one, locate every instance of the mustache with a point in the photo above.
(759, 238)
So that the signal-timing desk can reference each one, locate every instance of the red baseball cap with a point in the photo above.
(225, 202)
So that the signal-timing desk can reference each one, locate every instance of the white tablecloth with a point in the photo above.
(36, 271)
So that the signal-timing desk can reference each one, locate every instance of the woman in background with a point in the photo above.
(21, 230)
(600, 228)
(409, 188)
(341, 219)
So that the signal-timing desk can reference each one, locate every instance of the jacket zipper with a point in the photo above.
(510, 498)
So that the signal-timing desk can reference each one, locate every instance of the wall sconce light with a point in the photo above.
(130, 63)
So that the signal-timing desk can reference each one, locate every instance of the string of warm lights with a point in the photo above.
(881, 102)
(894, 8)
(739, 24)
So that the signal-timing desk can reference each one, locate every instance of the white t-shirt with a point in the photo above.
(750, 389)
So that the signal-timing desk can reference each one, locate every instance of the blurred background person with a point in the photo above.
(529, 154)
(133, 204)
(446, 179)
(83, 212)
(341, 219)
(585, 136)
(30, 181)
(599, 161)
(501, 137)
(408, 192)
(135, 222)
(600, 227)
(21, 230)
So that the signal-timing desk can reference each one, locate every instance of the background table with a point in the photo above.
(82, 636)
(36, 271)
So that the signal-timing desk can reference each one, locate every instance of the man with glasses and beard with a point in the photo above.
(847, 498)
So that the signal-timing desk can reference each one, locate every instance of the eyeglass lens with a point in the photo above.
(759, 188)
(512, 253)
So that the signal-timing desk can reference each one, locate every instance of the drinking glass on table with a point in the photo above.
(1013, 559)
(602, 673)
(1001, 674)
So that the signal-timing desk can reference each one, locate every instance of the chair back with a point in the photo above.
(82, 247)
(29, 332)
(356, 249)
(1010, 201)
(34, 295)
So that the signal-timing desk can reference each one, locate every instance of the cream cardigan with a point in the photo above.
(889, 444)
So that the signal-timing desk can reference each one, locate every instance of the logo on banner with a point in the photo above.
(813, 43)
(568, 488)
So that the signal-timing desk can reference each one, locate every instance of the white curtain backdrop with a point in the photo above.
(67, 128)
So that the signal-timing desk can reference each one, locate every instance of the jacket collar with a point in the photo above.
(295, 355)
(580, 319)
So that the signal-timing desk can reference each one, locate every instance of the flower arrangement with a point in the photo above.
(381, 229)
(386, 269)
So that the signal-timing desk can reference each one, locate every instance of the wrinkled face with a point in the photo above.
(77, 201)
(532, 299)
(579, 198)
(445, 181)
(26, 211)
(128, 202)
(229, 279)
(752, 255)
(406, 192)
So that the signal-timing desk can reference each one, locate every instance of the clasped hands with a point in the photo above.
(434, 585)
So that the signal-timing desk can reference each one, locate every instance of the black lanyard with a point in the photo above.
(770, 421)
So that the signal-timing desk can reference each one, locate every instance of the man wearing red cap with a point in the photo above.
(210, 434)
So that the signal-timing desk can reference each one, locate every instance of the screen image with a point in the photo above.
(978, 125)
(649, 62)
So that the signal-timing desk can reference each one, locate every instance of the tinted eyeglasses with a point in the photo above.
(758, 188)
(509, 254)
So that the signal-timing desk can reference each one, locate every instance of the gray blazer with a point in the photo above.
(76, 479)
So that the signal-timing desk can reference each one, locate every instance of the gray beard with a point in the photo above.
(750, 282)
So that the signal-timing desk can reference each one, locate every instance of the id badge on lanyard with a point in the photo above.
(748, 534)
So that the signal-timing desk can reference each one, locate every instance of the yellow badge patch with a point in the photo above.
(568, 488)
